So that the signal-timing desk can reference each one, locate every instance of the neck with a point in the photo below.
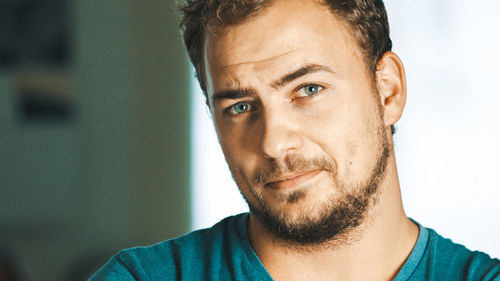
(381, 244)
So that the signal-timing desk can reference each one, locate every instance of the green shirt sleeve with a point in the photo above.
(114, 270)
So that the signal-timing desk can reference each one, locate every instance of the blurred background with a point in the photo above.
(105, 142)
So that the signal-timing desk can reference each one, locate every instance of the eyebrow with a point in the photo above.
(233, 94)
(302, 71)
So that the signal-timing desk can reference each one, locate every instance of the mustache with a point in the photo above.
(292, 164)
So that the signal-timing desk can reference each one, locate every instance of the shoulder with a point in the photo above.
(187, 256)
(443, 257)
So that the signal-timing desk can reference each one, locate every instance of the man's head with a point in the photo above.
(302, 113)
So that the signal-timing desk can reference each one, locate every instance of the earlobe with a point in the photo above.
(391, 84)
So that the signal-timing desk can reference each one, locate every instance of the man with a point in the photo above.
(304, 95)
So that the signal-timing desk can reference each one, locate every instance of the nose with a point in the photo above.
(280, 134)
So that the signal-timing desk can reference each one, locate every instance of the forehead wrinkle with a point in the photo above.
(232, 83)
(259, 61)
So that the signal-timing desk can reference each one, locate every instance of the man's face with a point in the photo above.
(298, 118)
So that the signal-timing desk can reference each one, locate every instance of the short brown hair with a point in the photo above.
(367, 20)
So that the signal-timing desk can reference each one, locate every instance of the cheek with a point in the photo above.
(343, 129)
(233, 143)
(333, 123)
(238, 153)
(236, 164)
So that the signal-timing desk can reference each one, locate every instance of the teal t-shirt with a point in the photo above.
(223, 252)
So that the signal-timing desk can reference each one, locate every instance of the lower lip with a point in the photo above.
(290, 183)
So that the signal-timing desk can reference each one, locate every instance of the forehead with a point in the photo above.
(284, 35)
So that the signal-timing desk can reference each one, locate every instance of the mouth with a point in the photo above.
(290, 181)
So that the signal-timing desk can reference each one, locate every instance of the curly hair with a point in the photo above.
(366, 19)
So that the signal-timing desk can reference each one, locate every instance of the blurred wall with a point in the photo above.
(117, 174)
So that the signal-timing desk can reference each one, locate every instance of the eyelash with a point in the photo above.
(231, 109)
(303, 88)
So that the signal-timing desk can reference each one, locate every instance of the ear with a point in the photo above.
(391, 84)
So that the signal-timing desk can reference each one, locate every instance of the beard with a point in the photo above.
(334, 219)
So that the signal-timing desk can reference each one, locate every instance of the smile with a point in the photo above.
(290, 181)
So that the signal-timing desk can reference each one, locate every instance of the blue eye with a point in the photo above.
(240, 108)
(312, 89)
